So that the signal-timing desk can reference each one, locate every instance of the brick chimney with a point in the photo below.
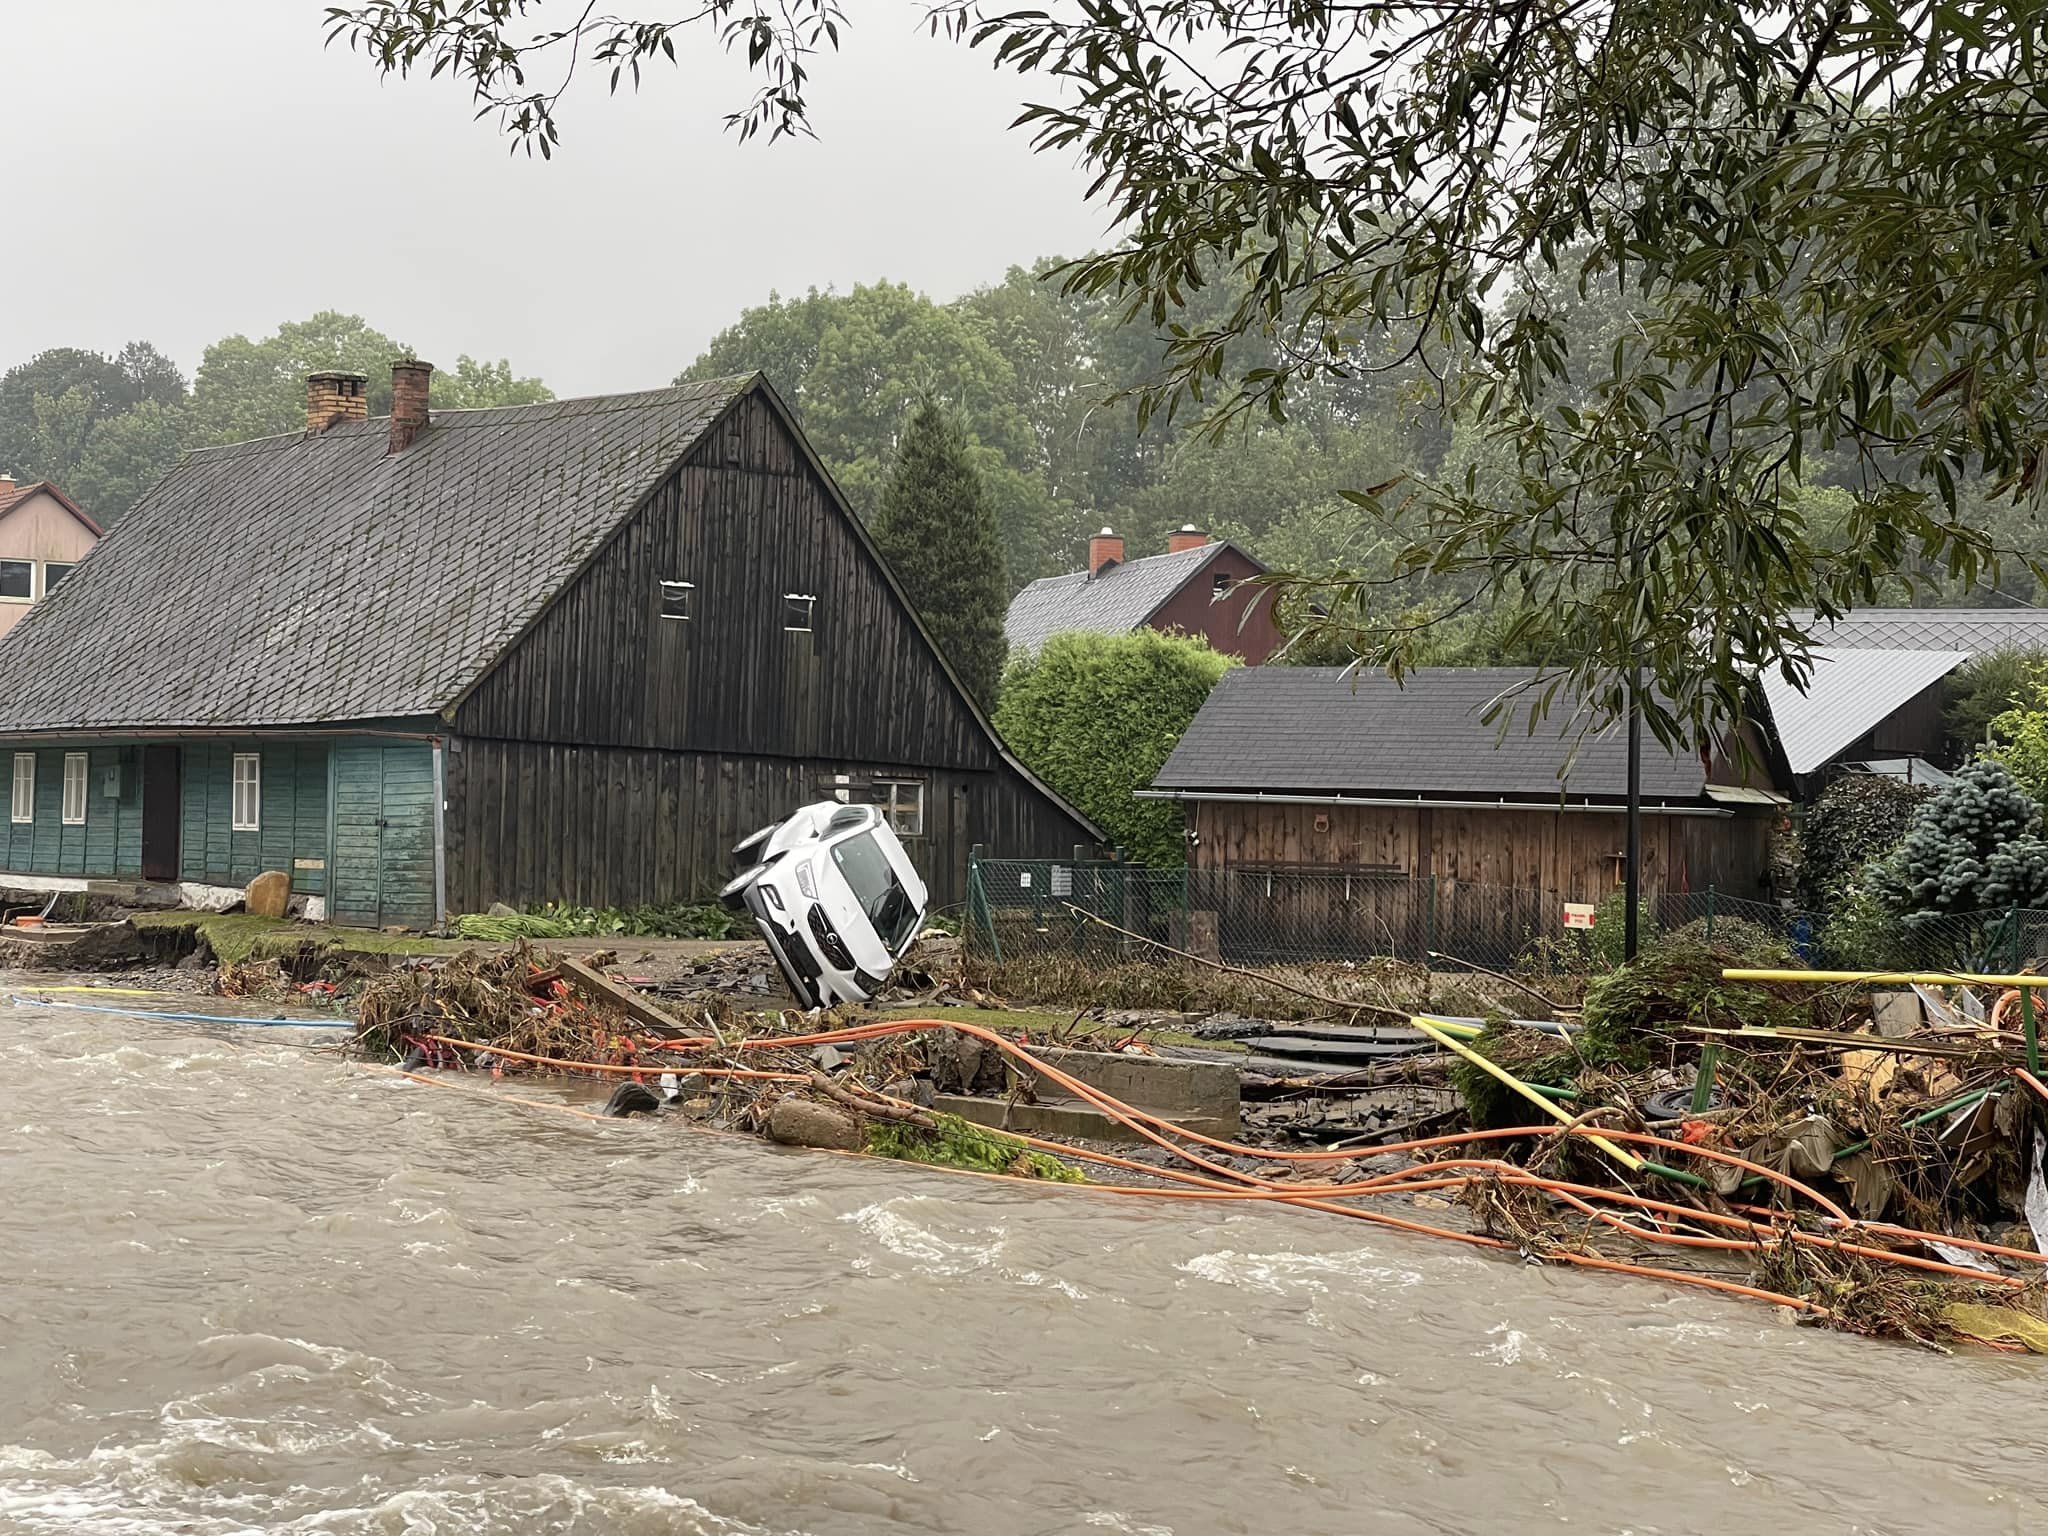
(409, 378)
(335, 397)
(6, 484)
(1104, 550)
(1186, 536)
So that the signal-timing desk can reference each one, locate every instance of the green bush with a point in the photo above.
(1974, 846)
(558, 920)
(2018, 738)
(1096, 715)
(1858, 818)
(1983, 689)
(1608, 942)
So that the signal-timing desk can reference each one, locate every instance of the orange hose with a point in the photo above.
(601, 1066)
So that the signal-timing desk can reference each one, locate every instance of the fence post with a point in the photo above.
(978, 908)
(1710, 912)
(1429, 926)
(2018, 959)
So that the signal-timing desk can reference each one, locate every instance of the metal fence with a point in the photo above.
(1109, 911)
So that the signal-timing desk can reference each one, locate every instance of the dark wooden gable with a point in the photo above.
(746, 520)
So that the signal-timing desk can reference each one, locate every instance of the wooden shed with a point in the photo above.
(1406, 794)
(570, 651)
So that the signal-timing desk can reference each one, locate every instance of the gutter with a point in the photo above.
(1261, 797)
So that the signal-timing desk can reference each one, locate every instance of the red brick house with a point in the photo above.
(1199, 586)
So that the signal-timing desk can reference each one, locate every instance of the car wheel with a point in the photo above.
(733, 897)
(753, 840)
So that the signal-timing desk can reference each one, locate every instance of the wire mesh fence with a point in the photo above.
(1107, 912)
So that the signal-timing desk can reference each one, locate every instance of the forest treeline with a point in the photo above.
(1031, 373)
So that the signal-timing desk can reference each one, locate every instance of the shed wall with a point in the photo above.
(292, 833)
(1565, 855)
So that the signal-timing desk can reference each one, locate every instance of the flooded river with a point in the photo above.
(244, 1287)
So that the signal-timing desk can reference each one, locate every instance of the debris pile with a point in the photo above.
(1872, 1161)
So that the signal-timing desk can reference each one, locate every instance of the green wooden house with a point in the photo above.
(570, 651)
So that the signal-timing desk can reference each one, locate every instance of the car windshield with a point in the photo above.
(875, 886)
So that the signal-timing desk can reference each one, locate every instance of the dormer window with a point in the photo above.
(676, 598)
(1221, 586)
(797, 609)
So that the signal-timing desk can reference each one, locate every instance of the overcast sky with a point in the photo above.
(178, 170)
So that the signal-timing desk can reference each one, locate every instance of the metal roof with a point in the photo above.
(1114, 603)
(1327, 730)
(1849, 693)
(1975, 630)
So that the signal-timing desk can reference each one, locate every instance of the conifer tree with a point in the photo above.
(938, 533)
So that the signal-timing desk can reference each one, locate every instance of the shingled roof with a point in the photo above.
(1325, 730)
(1113, 603)
(301, 579)
(1975, 630)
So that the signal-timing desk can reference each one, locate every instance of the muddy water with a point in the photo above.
(246, 1288)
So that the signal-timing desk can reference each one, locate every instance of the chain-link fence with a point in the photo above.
(1110, 911)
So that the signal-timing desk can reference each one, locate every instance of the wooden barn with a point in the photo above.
(570, 651)
(1397, 810)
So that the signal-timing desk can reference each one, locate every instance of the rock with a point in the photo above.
(800, 1123)
(499, 909)
(269, 894)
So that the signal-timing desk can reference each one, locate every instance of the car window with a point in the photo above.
(875, 886)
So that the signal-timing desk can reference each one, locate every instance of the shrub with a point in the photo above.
(1858, 818)
(1973, 846)
(1096, 715)
(2018, 738)
(1982, 690)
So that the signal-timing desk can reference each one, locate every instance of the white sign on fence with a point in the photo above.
(1578, 914)
(1062, 880)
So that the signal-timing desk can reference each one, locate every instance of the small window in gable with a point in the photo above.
(797, 608)
(677, 598)
(54, 571)
(1221, 586)
(18, 579)
(74, 789)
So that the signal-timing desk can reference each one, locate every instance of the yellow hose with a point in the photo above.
(1891, 978)
(1433, 1029)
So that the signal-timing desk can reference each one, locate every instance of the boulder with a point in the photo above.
(269, 894)
(800, 1123)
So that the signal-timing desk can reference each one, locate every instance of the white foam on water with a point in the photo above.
(1279, 1273)
(1116, 1520)
(906, 1239)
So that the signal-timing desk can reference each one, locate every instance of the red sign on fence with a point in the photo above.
(1578, 914)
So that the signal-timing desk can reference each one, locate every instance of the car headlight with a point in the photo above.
(806, 882)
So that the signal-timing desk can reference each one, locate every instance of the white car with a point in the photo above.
(836, 897)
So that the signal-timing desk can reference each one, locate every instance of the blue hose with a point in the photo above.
(182, 1018)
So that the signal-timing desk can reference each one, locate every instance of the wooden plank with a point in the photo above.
(598, 987)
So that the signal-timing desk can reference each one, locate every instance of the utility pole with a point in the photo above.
(1632, 873)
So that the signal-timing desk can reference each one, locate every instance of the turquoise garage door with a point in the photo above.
(383, 836)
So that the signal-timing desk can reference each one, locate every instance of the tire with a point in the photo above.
(1677, 1105)
(753, 840)
(733, 897)
(632, 1099)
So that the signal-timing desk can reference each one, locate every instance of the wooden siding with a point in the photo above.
(383, 835)
(532, 822)
(1560, 855)
(1193, 610)
(746, 520)
(109, 844)
(292, 819)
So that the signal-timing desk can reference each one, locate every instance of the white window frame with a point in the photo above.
(22, 810)
(43, 575)
(789, 610)
(684, 595)
(32, 579)
(247, 816)
(76, 767)
(902, 805)
(1221, 585)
